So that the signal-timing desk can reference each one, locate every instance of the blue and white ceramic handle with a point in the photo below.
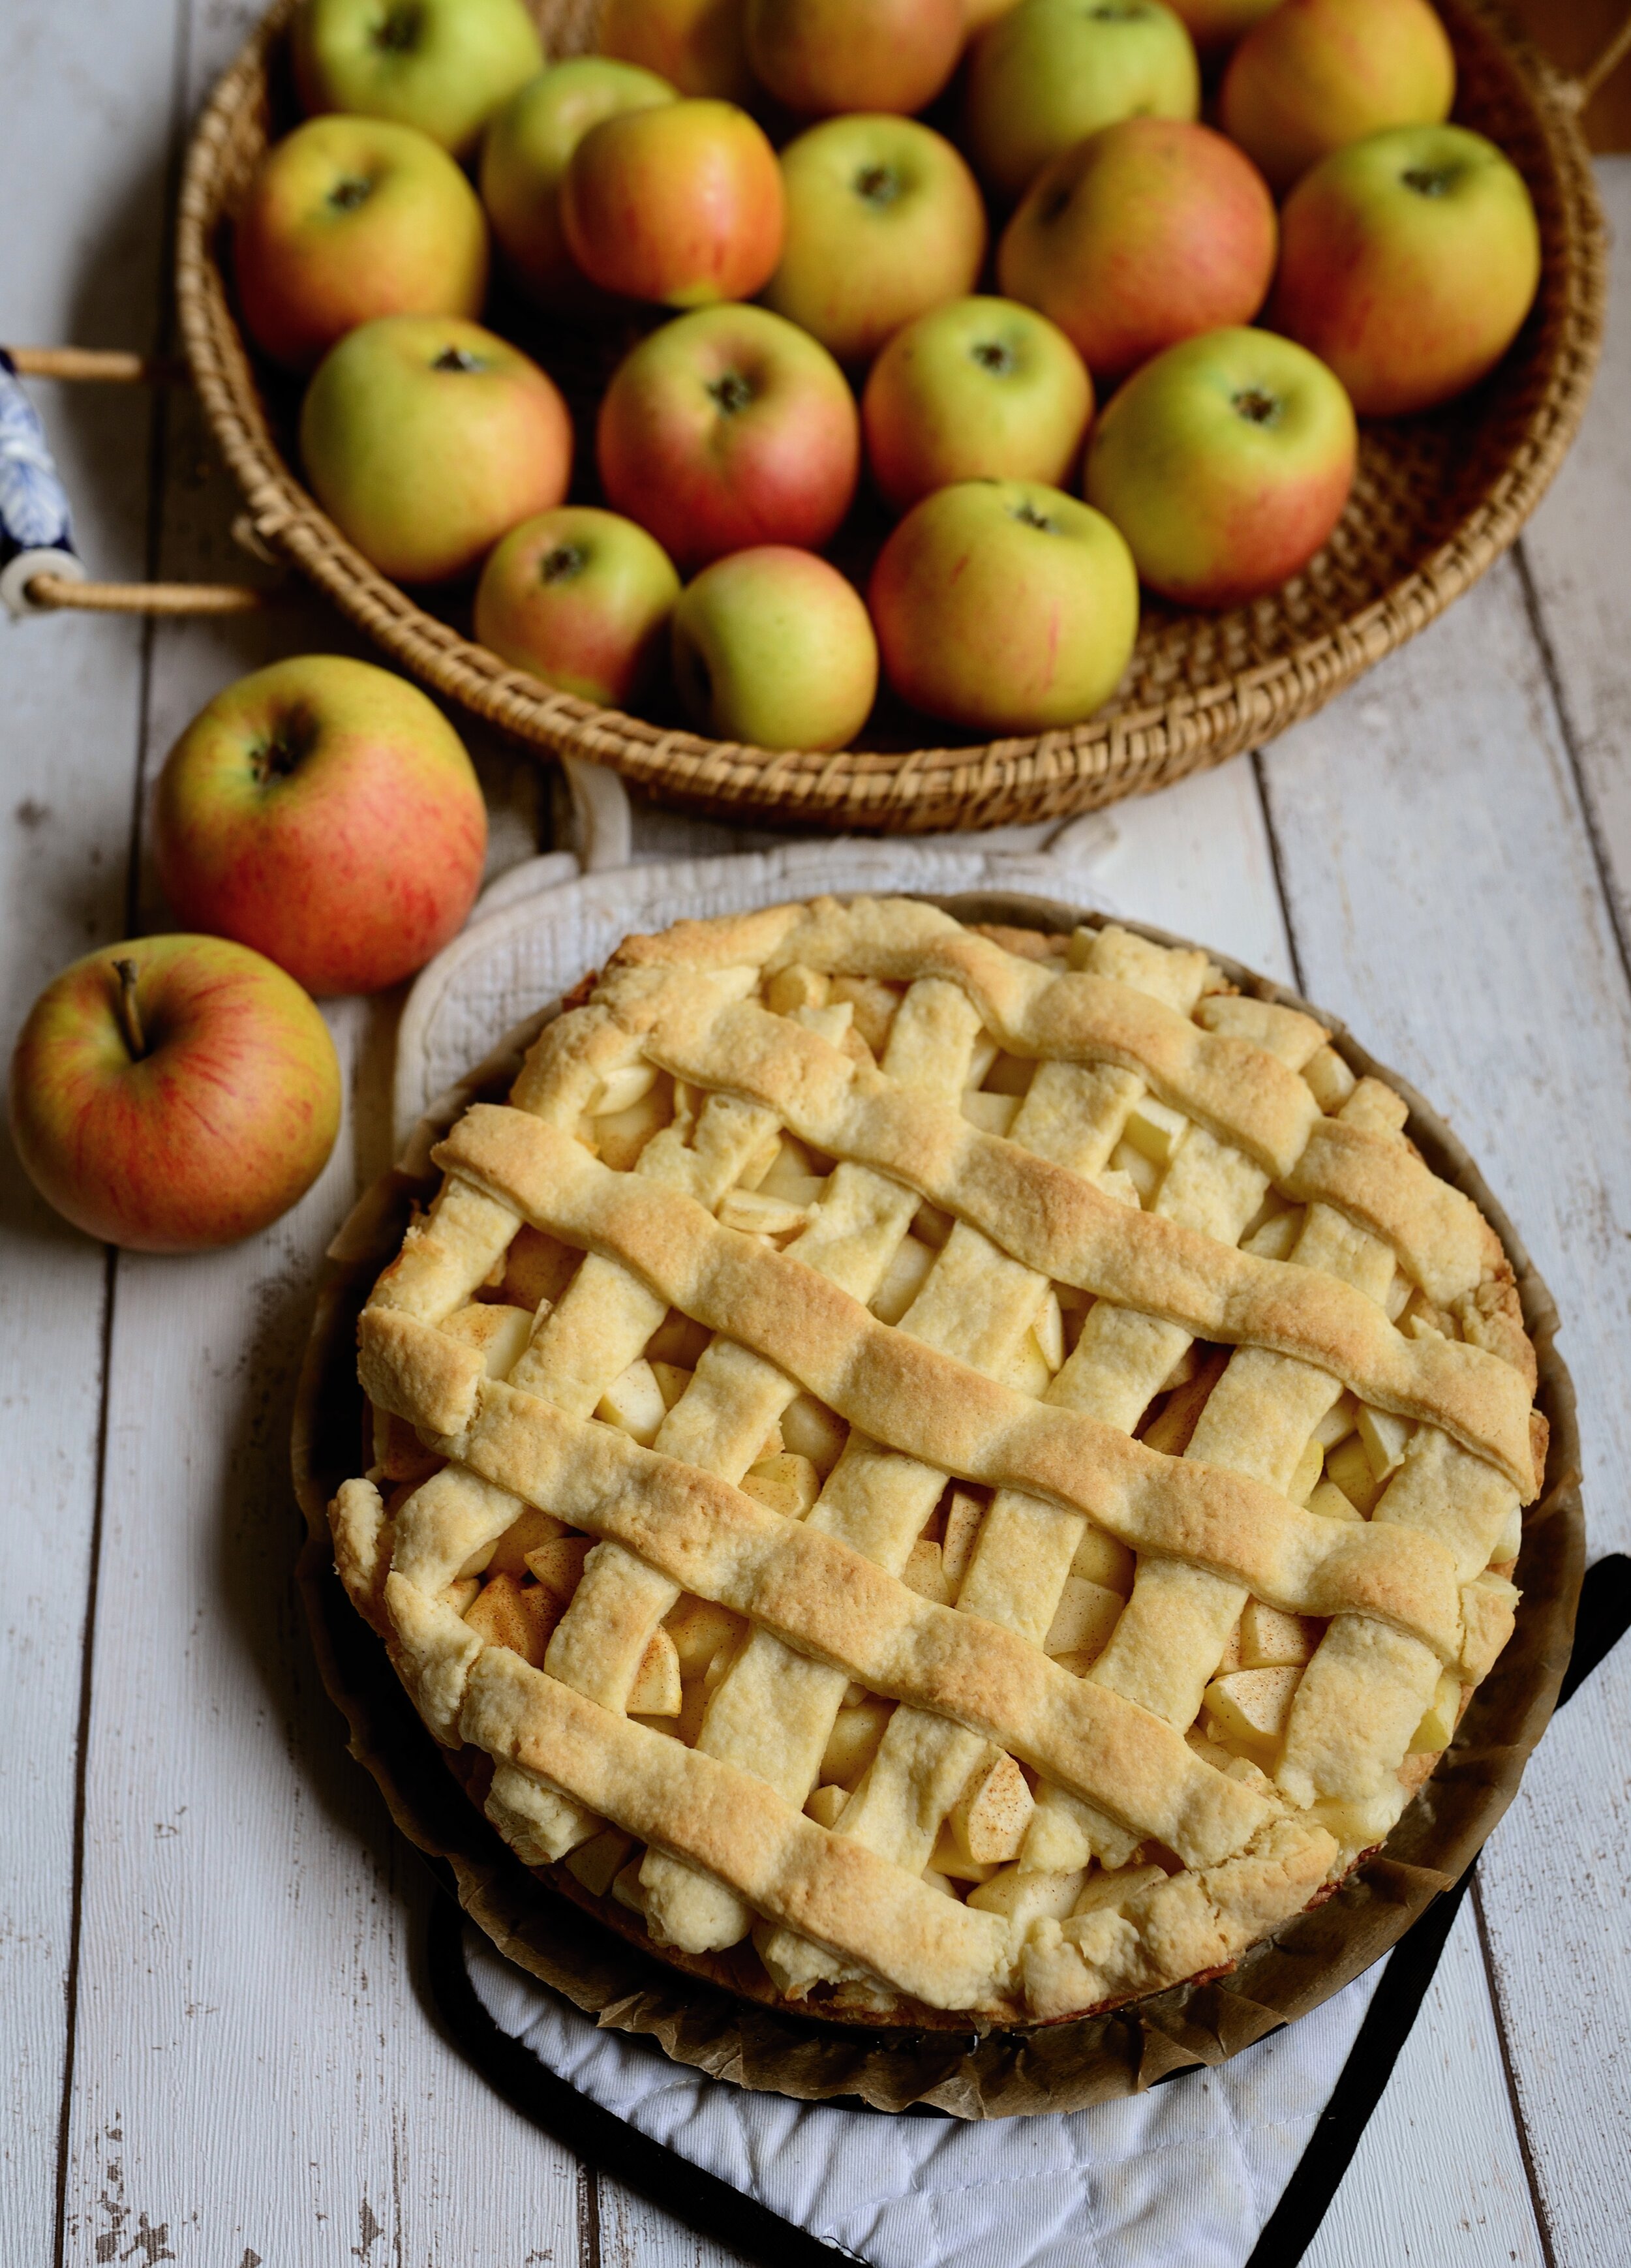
(36, 526)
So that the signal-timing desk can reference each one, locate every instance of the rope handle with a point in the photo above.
(40, 571)
(1579, 91)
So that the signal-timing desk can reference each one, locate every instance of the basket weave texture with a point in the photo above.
(1438, 497)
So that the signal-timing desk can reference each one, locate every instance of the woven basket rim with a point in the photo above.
(1128, 750)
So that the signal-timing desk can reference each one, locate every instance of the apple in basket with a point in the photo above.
(324, 811)
(681, 203)
(1004, 606)
(774, 648)
(424, 439)
(1051, 71)
(884, 221)
(1317, 74)
(1226, 463)
(174, 1093)
(582, 599)
(347, 218)
(444, 66)
(1410, 261)
(979, 389)
(726, 428)
(525, 155)
(824, 56)
(1146, 234)
(1214, 25)
(695, 44)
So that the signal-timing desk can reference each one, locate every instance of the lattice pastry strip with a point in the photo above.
(733, 1014)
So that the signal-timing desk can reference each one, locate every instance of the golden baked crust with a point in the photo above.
(973, 1470)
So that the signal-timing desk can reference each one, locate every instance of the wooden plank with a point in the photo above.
(1554, 1884)
(633, 2234)
(78, 175)
(1578, 550)
(1438, 2179)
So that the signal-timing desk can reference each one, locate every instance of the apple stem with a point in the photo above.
(129, 1013)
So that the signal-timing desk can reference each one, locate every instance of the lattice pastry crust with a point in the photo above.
(977, 1469)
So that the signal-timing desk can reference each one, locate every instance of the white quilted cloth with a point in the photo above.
(1184, 2177)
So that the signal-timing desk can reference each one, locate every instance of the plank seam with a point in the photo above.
(1277, 867)
(588, 2215)
(1543, 2219)
(1591, 817)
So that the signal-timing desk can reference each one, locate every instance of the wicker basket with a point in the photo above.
(1438, 497)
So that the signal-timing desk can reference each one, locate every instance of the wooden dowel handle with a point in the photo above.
(1609, 62)
(109, 366)
(62, 591)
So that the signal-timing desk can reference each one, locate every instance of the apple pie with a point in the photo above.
(954, 1471)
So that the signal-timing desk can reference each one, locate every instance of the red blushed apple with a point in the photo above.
(174, 1093)
(1410, 261)
(681, 203)
(1226, 463)
(1004, 606)
(349, 218)
(525, 154)
(884, 220)
(1214, 25)
(695, 44)
(1144, 234)
(1317, 74)
(425, 440)
(774, 649)
(979, 389)
(581, 598)
(727, 428)
(824, 56)
(325, 812)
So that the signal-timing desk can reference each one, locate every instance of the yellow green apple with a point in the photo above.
(347, 218)
(1050, 73)
(1146, 233)
(681, 203)
(982, 389)
(525, 154)
(444, 66)
(884, 221)
(324, 811)
(728, 428)
(824, 58)
(425, 439)
(581, 598)
(1226, 463)
(1004, 606)
(697, 45)
(1409, 261)
(774, 648)
(1317, 74)
(174, 1093)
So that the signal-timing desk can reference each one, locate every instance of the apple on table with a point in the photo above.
(325, 813)
(1314, 75)
(1410, 261)
(1004, 606)
(727, 428)
(174, 1093)
(680, 204)
(1050, 73)
(774, 648)
(444, 66)
(347, 218)
(425, 439)
(1150, 230)
(824, 57)
(525, 154)
(884, 221)
(981, 388)
(581, 598)
(1225, 462)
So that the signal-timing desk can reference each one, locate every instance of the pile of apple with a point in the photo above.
(745, 183)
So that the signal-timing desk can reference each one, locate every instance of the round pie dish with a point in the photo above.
(990, 1577)
(1438, 497)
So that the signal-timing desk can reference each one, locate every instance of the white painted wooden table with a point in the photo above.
(212, 2048)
